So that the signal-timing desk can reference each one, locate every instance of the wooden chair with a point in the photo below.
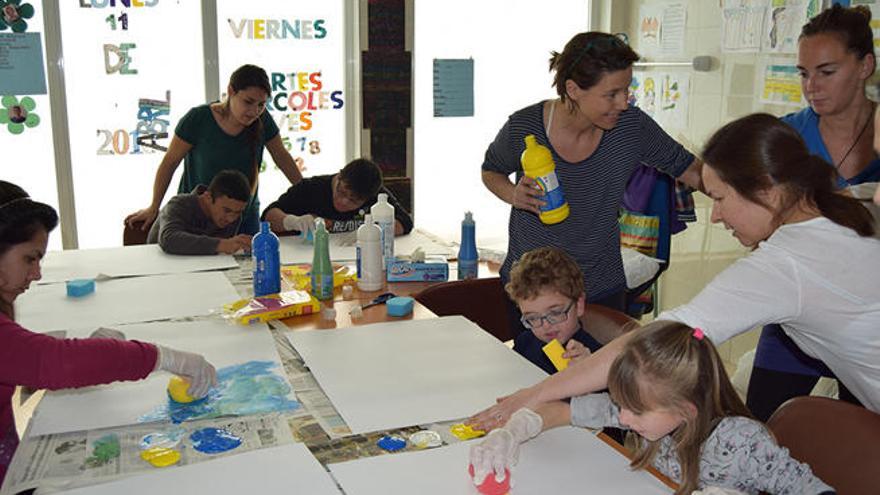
(606, 324)
(480, 300)
(840, 441)
(132, 236)
(483, 301)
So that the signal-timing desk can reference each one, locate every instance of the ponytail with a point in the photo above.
(255, 137)
(248, 76)
(818, 180)
(845, 211)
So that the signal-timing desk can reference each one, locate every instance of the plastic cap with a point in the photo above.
(468, 216)
(530, 141)
(264, 226)
(382, 198)
(368, 219)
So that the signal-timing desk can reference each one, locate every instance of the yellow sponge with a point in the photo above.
(177, 390)
(554, 351)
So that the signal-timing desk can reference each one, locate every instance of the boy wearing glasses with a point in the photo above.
(340, 199)
(548, 287)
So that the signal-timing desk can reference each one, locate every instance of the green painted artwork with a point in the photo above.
(104, 450)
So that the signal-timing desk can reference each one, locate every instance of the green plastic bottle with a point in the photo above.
(537, 163)
(322, 269)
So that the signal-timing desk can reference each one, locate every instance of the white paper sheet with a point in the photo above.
(664, 96)
(742, 23)
(342, 247)
(122, 403)
(127, 300)
(148, 259)
(562, 460)
(390, 375)
(288, 469)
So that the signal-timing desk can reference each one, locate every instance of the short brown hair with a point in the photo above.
(587, 57)
(542, 269)
(363, 177)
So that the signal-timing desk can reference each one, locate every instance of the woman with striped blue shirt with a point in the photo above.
(597, 141)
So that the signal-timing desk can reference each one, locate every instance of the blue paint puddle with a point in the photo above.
(242, 389)
(214, 440)
(391, 443)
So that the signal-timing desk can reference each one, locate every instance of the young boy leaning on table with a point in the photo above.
(206, 220)
(341, 199)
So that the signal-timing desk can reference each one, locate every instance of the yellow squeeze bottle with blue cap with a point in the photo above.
(537, 163)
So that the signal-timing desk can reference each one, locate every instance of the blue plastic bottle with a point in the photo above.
(468, 260)
(267, 262)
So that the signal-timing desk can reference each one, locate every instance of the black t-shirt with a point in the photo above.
(531, 348)
(314, 196)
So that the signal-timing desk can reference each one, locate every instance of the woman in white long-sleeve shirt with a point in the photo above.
(814, 270)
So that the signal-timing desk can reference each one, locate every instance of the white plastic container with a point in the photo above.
(383, 215)
(369, 256)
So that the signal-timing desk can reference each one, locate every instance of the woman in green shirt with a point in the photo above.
(220, 136)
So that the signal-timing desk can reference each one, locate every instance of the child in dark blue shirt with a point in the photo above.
(548, 287)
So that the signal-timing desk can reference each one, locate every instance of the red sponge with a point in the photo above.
(491, 487)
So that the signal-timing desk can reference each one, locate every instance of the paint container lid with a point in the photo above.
(328, 313)
(426, 439)
(391, 443)
(164, 439)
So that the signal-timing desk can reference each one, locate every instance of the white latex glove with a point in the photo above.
(302, 223)
(195, 368)
(714, 490)
(500, 448)
(107, 333)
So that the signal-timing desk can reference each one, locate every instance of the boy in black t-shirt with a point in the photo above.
(341, 199)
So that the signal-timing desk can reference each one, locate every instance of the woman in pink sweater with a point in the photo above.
(40, 361)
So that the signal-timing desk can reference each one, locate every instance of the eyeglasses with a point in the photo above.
(551, 317)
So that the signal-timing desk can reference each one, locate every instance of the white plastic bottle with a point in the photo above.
(369, 256)
(383, 215)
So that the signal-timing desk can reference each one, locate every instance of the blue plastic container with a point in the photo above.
(267, 262)
(468, 259)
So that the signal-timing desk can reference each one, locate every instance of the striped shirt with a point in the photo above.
(593, 189)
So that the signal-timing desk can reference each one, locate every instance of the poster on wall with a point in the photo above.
(780, 83)
(662, 30)
(783, 22)
(21, 64)
(650, 17)
(453, 87)
(301, 46)
(742, 23)
(663, 96)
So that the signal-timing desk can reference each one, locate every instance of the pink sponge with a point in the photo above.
(491, 487)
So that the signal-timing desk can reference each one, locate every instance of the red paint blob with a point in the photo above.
(491, 487)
